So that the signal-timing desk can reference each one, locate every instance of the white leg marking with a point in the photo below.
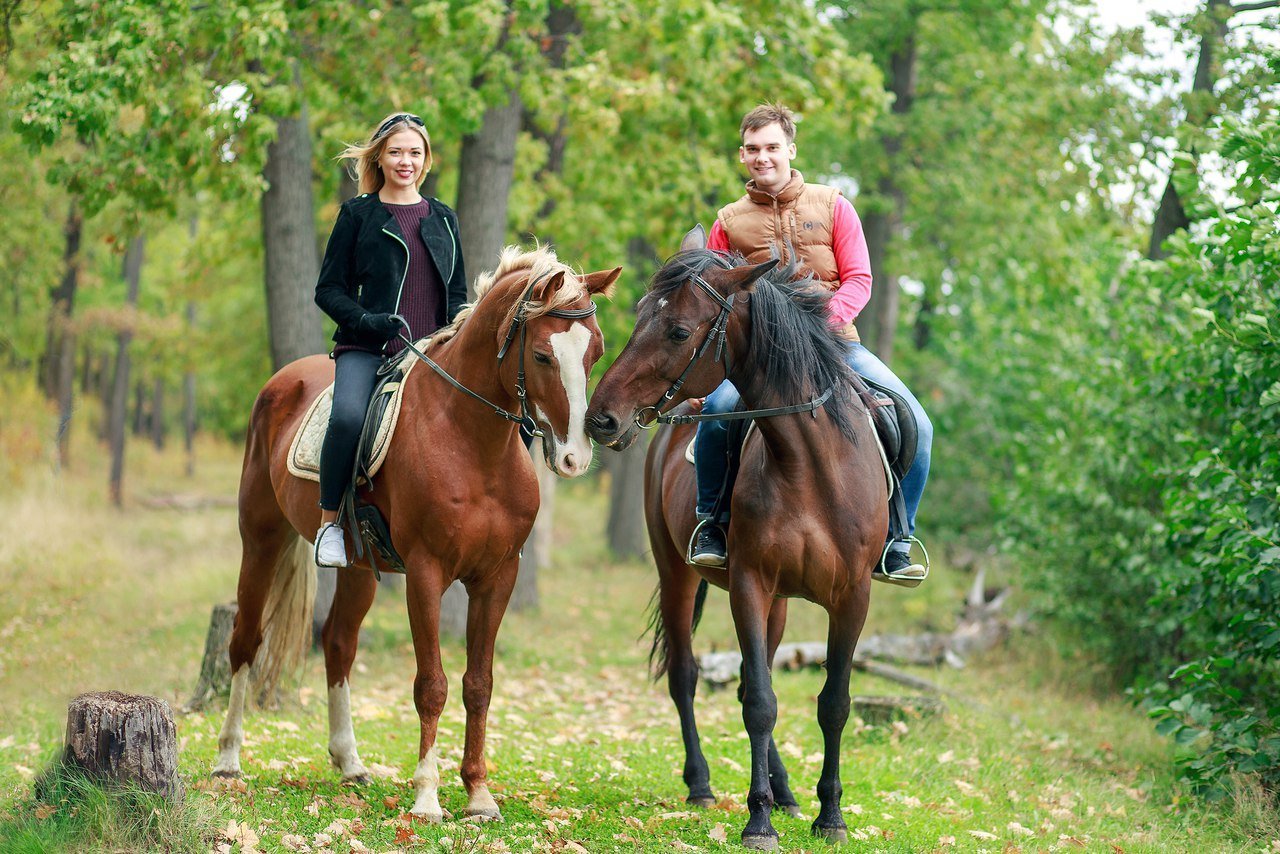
(426, 779)
(342, 736)
(573, 452)
(232, 735)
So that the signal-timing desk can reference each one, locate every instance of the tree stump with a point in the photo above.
(123, 738)
(215, 668)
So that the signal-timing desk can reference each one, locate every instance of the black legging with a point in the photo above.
(357, 373)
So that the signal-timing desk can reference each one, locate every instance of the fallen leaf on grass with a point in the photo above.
(287, 726)
(294, 842)
(313, 808)
(405, 836)
(6, 742)
(350, 799)
(573, 846)
(382, 772)
(242, 833)
(949, 756)
(718, 833)
(1017, 829)
(983, 835)
(683, 846)
(24, 772)
(671, 816)
(946, 841)
(44, 811)
(1072, 840)
(321, 840)
(391, 802)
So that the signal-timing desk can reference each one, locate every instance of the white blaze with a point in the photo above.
(573, 452)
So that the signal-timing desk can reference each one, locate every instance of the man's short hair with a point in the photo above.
(765, 115)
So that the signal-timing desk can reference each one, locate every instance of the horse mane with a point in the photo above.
(538, 262)
(797, 351)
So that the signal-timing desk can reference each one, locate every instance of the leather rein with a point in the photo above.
(717, 333)
(518, 324)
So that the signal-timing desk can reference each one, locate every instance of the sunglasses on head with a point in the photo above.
(395, 120)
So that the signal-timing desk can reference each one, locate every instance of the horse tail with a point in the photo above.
(286, 627)
(659, 652)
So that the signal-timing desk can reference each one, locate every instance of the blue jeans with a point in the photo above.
(711, 451)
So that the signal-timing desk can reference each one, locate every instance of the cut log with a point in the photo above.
(893, 674)
(882, 710)
(121, 738)
(215, 668)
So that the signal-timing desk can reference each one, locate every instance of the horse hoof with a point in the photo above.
(760, 841)
(834, 835)
(432, 817)
(226, 774)
(482, 814)
(792, 810)
(706, 801)
(361, 779)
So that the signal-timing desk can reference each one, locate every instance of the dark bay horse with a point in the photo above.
(809, 508)
(459, 494)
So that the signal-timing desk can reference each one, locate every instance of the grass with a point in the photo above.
(584, 750)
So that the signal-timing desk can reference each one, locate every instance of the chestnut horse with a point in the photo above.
(809, 506)
(458, 491)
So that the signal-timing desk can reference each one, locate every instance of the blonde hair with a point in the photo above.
(363, 157)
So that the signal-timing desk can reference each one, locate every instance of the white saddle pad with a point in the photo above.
(304, 453)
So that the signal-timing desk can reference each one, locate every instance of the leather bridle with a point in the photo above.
(717, 333)
(519, 323)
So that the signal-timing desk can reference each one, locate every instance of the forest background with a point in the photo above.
(1073, 228)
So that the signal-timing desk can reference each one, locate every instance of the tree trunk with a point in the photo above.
(120, 390)
(1171, 216)
(626, 532)
(138, 421)
(487, 165)
(124, 739)
(62, 301)
(189, 400)
(562, 23)
(292, 262)
(157, 414)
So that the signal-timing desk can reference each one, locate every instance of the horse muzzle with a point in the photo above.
(607, 430)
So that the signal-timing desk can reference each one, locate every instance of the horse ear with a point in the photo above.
(744, 278)
(601, 281)
(545, 290)
(695, 238)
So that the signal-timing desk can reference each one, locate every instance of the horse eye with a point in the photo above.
(678, 334)
(541, 358)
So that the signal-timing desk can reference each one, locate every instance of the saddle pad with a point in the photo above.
(304, 453)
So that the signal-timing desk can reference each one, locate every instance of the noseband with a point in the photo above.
(519, 323)
(717, 333)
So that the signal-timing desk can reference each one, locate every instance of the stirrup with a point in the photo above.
(688, 549)
(902, 578)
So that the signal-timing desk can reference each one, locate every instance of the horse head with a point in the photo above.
(678, 347)
(547, 349)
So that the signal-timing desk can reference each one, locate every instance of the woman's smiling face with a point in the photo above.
(402, 160)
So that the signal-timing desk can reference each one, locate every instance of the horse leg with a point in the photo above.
(266, 540)
(486, 606)
(351, 601)
(430, 688)
(750, 606)
(779, 782)
(677, 592)
(833, 712)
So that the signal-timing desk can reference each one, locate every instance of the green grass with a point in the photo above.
(584, 749)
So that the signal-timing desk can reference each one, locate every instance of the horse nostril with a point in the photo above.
(604, 423)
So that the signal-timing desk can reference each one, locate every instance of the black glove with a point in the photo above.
(383, 326)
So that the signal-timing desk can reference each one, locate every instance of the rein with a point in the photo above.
(717, 332)
(518, 322)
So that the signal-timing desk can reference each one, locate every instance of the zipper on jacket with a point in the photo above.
(400, 290)
(454, 260)
(359, 292)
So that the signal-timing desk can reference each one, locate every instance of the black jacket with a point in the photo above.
(366, 260)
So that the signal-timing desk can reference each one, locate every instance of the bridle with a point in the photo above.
(717, 333)
(518, 324)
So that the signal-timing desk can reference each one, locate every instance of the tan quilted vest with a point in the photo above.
(802, 214)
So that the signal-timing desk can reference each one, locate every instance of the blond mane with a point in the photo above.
(538, 262)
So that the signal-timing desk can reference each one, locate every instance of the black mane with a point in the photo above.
(795, 348)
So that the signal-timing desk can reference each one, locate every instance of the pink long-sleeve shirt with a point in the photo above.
(852, 261)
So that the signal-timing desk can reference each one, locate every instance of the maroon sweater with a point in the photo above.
(422, 296)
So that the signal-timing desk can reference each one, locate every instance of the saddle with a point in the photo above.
(375, 438)
(896, 433)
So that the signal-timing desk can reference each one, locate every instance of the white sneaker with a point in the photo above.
(330, 548)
